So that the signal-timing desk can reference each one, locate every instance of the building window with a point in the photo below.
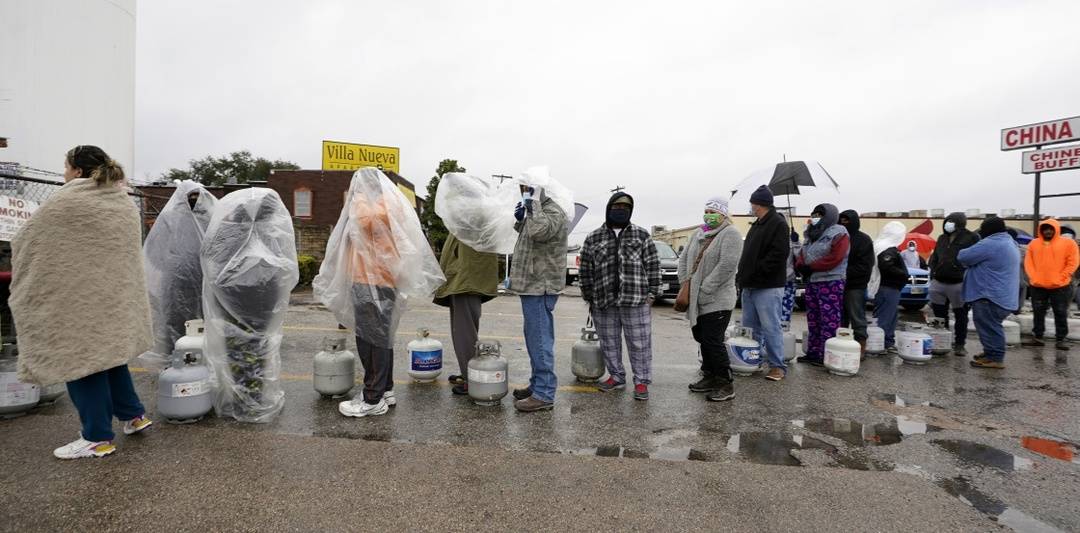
(302, 203)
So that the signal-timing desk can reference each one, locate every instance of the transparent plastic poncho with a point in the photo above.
(890, 237)
(478, 211)
(377, 258)
(540, 179)
(174, 276)
(249, 268)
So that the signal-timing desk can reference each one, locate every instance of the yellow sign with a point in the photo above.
(349, 156)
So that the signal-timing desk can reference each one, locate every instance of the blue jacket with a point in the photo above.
(993, 271)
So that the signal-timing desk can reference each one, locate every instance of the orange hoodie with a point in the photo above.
(375, 256)
(1050, 264)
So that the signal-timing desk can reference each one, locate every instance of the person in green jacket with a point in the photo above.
(472, 278)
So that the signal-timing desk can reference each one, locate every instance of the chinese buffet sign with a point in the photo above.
(1043, 134)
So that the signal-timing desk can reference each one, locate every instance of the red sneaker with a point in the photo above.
(641, 391)
(611, 385)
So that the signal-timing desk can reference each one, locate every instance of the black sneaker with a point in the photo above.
(723, 394)
(708, 383)
(1035, 341)
(460, 390)
(959, 351)
(455, 379)
(521, 394)
(1062, 345)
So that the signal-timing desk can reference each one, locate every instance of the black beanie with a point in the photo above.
(991, 226)
(762, 196)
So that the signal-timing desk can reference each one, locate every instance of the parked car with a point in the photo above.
(669, 270)
(573, 264)
(914, 296)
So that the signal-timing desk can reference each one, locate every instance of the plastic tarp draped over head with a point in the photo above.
(890, 237)
(540, 179)
(249, 267)
(376, 259)
(479, 212)
(174, 278)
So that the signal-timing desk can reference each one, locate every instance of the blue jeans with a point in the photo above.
(761, 310)
(988, 316)
(886, 307)
(99, 397)
(540, 341)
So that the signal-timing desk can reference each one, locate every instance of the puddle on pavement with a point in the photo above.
(981, 454)
(774, 448)
(901, 401)
(1065, 451)
(662, 453)
(962, 488)
(858, 434)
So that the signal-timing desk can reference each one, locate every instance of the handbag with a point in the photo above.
(682, 301)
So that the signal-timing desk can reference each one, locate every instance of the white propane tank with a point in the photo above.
(184, 391)
(488, 374)
(875, 338)
(804, 341)
(335, 368)
(732, 330)
(425, 357)
(744, 352)
(51, 393)
(971, 321)
(1026, 321)
(193, 340)
(842, 353)
(789, 343)
(941, 337)
(1074, 327)
(1012, 332)
(586, 359)
(16, 397)
(914, 346)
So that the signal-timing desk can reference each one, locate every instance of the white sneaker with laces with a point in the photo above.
(136, 425)
(84, 448)
(389, 398)
(359, 409)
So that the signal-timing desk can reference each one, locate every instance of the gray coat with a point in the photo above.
(712, 287)
(539, 263)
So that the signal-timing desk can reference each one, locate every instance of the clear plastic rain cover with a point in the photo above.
(174, 279)
(890, 237)
(249, 266)
(479, 212)
(376, 259)
(539, 178)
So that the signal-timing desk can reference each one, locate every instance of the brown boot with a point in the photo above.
(862, 350)
(531, 405)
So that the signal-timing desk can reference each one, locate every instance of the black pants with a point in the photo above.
(375, 325)
(855, 312)
(1056, 299)
(465, 327)
(709, 333)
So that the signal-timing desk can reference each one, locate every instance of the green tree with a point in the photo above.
(432, 224)
(242, 165)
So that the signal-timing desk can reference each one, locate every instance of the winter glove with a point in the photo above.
(794, 236)
(519, 211)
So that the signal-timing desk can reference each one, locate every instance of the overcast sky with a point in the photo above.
(902, 102)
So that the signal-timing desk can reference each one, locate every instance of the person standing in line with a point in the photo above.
(991, 285)
(715, 248)
(472, 279)
(78, 297)
(1070, 234)
(947, 277)
(893, 274)
(860, 267)
(789, 286)
(538, 276)
(911, 256)
(1024, 281)
(620, 278)
(761, 275)
(1050, 263)
(823, 263)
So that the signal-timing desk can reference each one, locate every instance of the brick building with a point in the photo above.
(314, 199)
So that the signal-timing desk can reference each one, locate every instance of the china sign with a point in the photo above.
(14, 212)
(1041, 134)
(1049, 160)
(349, 156)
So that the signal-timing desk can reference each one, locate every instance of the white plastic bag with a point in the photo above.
(174, 279)
(479, 212)
(890, 237)
(540, 179)
(377, 258)
(250, 269)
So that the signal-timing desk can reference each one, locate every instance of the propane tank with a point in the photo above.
(842, 353)
(193, 340)
(732, 330)
(335, 368)
(1074, 327)
(1012, 332)
(487, 374)
(1026, 321)
(875, 338)
(804, 341)
(51, 393)
(789, 342)
(16, 397)
(941, 337)
(744, 352)
(914, 345)
(425, 357)
(586, 359)
(184, 392)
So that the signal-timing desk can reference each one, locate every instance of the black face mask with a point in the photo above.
(619, 217)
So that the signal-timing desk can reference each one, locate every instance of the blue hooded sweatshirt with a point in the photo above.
(993, 270)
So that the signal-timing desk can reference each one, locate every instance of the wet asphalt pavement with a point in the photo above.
(897, 447)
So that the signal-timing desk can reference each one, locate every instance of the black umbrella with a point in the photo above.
(788, 176)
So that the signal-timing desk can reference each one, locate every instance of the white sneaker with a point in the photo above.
(84, 448)
(136, 425)
(361, 409)
(389, 398)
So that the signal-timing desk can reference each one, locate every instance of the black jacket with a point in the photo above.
(894, 272)
(943, 264)
(763, 264)
(860, 263)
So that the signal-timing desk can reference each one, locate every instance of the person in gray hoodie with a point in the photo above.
(823, 263)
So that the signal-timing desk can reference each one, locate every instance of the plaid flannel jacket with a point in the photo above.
(619, 271)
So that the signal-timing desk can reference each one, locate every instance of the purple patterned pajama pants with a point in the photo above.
(824, 307)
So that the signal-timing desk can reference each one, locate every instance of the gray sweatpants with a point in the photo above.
(464, 327)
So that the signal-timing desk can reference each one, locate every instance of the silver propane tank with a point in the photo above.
(16, 397)
(335, 368)
(184, 390)
(487, 374)
(586, 358)
(941, 338)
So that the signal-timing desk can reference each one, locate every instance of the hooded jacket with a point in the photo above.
(467, 272)
(763, 263)
(943, 264)
(618, 269)
(992, 271)
(825, 251)
(1051, 264)
(538, 267)
(861, 256)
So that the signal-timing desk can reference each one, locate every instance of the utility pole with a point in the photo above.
(501, 177)
(618, 188)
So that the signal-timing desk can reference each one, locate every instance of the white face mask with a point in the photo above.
(815, 220)
(950, 227)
